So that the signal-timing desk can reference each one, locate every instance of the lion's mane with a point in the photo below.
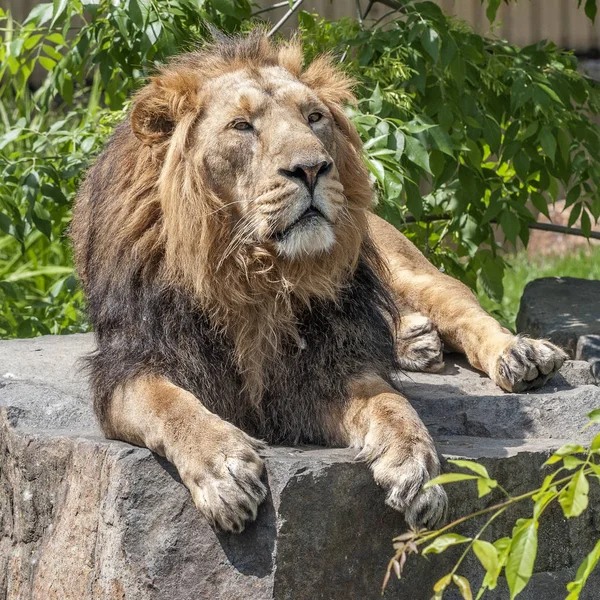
(156, 252)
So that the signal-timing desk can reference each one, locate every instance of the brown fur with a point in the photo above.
(220, 313)
(513, 363)
(167, 210)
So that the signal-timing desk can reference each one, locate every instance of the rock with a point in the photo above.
(84, 518)
(561, 309)
(588, 348)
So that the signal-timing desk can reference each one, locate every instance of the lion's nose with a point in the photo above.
(308, 174)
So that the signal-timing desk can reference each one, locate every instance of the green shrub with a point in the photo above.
(460, 131)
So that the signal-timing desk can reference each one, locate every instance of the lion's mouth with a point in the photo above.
(311, 214)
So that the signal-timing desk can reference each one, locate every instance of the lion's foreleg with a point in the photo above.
(512, 362)
(398, 447)
(218, 462)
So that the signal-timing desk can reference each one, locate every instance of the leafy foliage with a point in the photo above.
(467, 135)
(461, 132)
(514, 555)
(93, 54)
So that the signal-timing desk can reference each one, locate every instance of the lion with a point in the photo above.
(243, 292)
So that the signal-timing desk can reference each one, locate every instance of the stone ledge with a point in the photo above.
(561, 309)
(86, 518)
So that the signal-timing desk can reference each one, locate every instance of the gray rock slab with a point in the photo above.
(561, 309)
(588, 347)
(85, 518)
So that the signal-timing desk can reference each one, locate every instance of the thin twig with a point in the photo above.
(384, 17)
(563, 229)
(368, 9)
(358, 12)
(285, 17)
(399, 6)
(272, 7)
(541, 226)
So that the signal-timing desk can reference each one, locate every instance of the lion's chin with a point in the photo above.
(310, 238)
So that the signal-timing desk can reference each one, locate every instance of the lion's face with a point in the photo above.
(267, 147)
(256, 158)
(238, 181)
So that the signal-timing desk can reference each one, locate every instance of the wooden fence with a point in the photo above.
(523, 23)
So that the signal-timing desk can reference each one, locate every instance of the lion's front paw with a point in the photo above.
(225, 480)
(527, 364)
(403, 468)
(419, 346)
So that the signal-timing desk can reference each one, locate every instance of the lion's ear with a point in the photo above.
(160, 105)
(334, 88)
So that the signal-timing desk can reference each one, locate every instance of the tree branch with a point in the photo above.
(541, 226)
(395, 4)
(269, 8)
(285, 17)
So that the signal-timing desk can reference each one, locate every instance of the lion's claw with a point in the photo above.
(419, 346)
(527, 364)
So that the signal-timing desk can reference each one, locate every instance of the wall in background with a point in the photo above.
(523, 23)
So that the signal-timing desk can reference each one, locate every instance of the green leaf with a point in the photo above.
(488, 557)
(55, 193)
(58, 9)
(231, 8)
(485, 486)
(10, 136)
(594, 416)
(376, 101)
(590, 10)
(523, 550)
(574, 215)
(47, 63)
(595, 445)
(417, 153)
(444, 541)
(583, 572)
(471, 465)
(530, 130)
(573, 195)
(442, 583)
(540, 203)
(376, 169)
(574, 498)
(431, 43)
(510, 225)
(31, 41)
(41, 218)
(542, 501)
(491, 277)
(548, 143)
(564, 451)
(564, 145)
(6, 225)
(135, 14)
(441, 140)
(400, 144)
(464, 587)
(521, 162)
(448, 478)
(40, 14)
(414, 201)
(377, 141)
(586, 224)
(550, 92)
(492, 10)
(572, 462)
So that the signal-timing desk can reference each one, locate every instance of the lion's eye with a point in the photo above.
(314, 117)
(242, 125)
